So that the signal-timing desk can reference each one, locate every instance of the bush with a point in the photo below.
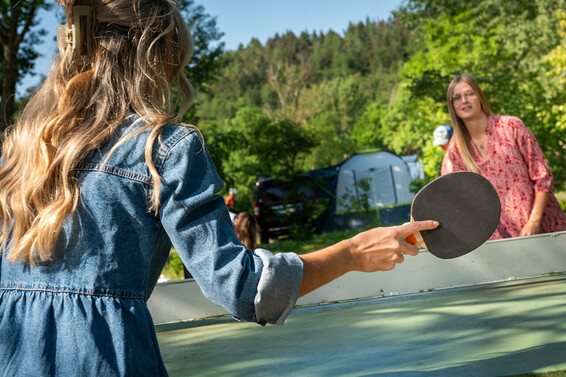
(173, 268)
(561, 196)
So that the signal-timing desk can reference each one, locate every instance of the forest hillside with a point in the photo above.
(307, 101)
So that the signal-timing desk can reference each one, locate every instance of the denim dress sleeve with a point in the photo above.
(251, 285)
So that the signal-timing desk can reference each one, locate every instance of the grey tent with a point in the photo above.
(387, 180)
(372, 184)
(368, 186)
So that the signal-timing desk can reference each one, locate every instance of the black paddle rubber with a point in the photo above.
(467, 207)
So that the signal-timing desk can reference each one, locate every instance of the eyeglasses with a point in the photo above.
(467, 95)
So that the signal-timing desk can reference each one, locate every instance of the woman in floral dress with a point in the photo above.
(503, 150)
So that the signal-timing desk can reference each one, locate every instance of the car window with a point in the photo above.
(275, 192)
(272, 195)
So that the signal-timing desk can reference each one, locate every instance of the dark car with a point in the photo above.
(299, 204)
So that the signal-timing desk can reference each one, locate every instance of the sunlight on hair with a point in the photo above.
(82, 103)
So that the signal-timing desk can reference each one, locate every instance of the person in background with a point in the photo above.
(231, 198)
(98, 180)
(503, 150)
(442, 135)
(230, 202)
(247, 229)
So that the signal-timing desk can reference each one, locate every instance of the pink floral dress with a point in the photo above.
(517, 168)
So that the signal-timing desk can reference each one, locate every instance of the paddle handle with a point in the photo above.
(417, 240)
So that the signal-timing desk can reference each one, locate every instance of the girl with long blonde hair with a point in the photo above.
(461, 133)
(98, 181)
(504, 150)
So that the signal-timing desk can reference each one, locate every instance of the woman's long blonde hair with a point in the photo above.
(136, 46)
(461, 134)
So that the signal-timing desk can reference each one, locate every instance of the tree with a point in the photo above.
(205, 61)
(383, 84)
(254, 146)
(17, 19)
(503, 44)
(366, 133)
(333, 107)
(553, 116)
(18, 38)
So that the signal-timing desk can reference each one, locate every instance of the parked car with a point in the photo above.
(299, 204)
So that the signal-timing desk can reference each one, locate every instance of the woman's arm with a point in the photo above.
(446, 166)
(533, 224)
(378, 249)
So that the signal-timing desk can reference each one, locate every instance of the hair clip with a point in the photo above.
(79, 35)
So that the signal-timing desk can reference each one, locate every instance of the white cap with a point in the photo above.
(442, 135)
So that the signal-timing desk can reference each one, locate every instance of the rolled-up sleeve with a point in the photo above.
(252, 286)
(278, 287)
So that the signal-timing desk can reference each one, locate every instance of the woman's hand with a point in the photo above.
(530, 228)
(378, 249)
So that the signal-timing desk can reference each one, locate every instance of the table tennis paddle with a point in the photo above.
(467, 208)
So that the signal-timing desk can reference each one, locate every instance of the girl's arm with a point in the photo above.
(378, 249)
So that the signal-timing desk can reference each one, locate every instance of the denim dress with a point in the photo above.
(84, 313)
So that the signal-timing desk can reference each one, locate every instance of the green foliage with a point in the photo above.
(561, 196)
(552, 133)
(205, 61)
(18, 37)
(314, 209)
(511, 47)
(418, 184)
(321, 83)
(366, 133)
(432, 160)
(382, 85)
(356, 199)
(306, 101)
(252, 146)
(173, 268)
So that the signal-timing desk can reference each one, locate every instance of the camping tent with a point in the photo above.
(372, 179)
(366, 187)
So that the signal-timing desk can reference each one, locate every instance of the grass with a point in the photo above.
(302, 246)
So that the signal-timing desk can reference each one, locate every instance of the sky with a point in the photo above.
(242, 20)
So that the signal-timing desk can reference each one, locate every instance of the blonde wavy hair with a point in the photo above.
(138, 48)
(461, 134)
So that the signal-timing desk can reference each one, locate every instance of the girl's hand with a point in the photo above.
(379, 249)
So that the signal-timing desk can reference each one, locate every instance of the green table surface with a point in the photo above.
(497, 329)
